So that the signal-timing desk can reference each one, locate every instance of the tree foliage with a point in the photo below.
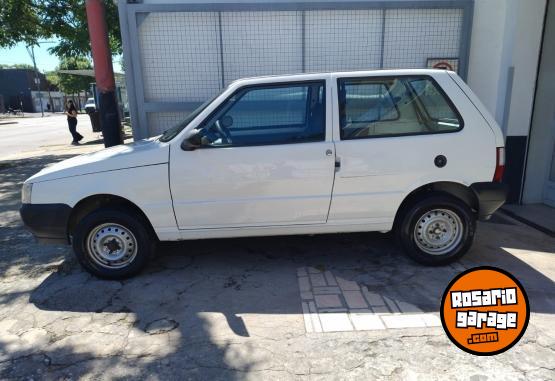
(19, 22)
(29, 21)
(70, 83)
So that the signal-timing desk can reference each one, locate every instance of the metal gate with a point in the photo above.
(179, 54)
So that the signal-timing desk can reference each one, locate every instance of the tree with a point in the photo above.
(29, 21)
(71, 83)
(19, 22)
(67, 20)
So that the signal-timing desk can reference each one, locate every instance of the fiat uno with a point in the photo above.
(413, 151)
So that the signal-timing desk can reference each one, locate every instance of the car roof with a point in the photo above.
(338, 74)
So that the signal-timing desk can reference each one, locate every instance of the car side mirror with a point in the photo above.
(193, 141)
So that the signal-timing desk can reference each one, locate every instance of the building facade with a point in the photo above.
(20, 91)
(180, 53)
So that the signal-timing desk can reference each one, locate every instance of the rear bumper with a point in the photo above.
(491, 196)
(47, 222)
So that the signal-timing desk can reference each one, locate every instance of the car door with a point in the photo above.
(390, 131)
(264, 160)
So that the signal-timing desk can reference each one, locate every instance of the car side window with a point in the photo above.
(268, 114)
(394, 106)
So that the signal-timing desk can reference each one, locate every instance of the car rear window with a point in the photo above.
(394, 106)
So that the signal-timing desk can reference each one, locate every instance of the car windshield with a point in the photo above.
(175, 130)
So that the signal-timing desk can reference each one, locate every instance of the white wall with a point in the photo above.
(541, 154)
(505, 34)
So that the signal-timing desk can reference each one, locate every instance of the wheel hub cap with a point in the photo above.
(112, 246)
(438, 231)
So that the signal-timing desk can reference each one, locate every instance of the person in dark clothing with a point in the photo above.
(71, 113)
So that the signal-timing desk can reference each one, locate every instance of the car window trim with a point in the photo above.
(269, 85)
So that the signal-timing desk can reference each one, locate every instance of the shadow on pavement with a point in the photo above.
(202, 308)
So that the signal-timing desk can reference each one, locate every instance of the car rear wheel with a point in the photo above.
(112, 243)
(437, 230)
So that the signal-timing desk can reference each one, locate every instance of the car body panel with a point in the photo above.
(378, 173)
(145, 186)
(137, 154)
(253, 185)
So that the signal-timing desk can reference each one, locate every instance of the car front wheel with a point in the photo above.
(437, 230)
(112, 243)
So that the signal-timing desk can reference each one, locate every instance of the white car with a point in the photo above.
(412, 151)
(90, 106)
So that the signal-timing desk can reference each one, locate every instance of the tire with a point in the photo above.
(436, 230)
(113, 243)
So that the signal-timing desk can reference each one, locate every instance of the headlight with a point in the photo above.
(26, 193)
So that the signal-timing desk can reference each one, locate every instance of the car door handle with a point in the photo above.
(337, 164)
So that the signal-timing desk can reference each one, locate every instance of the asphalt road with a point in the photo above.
(20, 135)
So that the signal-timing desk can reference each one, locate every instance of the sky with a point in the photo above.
(45, 61)
(18, 55)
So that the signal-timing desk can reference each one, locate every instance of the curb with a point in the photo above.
(528, 222)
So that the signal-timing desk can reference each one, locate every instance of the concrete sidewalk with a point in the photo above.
(236, 308)
(33, 137)
(539, 216)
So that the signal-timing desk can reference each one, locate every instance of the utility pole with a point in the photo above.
(31, 51)
(104, 73)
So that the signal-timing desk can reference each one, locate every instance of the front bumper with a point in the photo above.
(47, 222)
(491, 196)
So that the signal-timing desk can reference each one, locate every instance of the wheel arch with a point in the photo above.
(454, 189)
(97, 201)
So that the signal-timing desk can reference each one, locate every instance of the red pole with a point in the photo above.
(104, 73)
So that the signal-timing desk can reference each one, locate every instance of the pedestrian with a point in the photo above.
(71, 113)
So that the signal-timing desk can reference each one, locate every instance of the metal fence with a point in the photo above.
(177, 55)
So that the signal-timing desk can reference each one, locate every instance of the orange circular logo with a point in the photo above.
(485, 311)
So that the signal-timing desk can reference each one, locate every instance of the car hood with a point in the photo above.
(137, 154)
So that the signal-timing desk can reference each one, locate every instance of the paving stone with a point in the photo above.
(328, 301)
(366, 321)
(431, 320)
(403, 321)
(406, 307)
(312, 307)
(313, 270)
(307, 295)
(373, 298)
(330, 278)
(381, 309)
(391, 304)
(307, 318)
(332, 310)
(347, 285)
(301, 271)
(316, 325)
(318, 280)
(354, 299)
(326, 290)
(335, 322)
(304, 284)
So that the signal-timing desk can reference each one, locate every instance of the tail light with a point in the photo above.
(499, 165)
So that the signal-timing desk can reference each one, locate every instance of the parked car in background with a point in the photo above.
(413, 151)
(90, 106)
